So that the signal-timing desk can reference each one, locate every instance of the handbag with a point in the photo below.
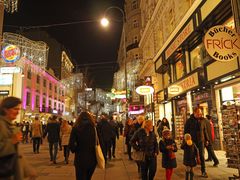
(138, 155)
(7, 165)
(99, 154)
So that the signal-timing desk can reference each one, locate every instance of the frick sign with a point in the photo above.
(222, 43)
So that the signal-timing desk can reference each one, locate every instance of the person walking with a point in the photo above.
(128, 133)
(36, 129)
(196, 127)
(106, 133)
(144, 140)
(13, 163)
(163, 124)
(168, 148)
(53, 132)
(115, 136)
(190, 156)
(209, 146)
(65, 132)
(82, 143)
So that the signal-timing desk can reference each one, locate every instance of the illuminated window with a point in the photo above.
(179, 69)
(199, 56)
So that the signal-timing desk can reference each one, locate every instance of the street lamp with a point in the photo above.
(105, 23)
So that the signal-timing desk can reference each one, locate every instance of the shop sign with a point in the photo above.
(200, 97)
(222, 43)
(4, 92)
(179, 39)
(11, 53)
(144, 90)
(10, 70)
(184, 85)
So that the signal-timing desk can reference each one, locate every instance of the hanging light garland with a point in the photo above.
(11, 6)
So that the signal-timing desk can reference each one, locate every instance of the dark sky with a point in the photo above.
(88, 42)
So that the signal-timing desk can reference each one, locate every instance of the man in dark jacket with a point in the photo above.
(53, 132)
(196, 127)
(106, 134)
(211, 154)
(115, 135)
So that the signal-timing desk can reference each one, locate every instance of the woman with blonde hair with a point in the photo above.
(82, 143)
(144, 140)
(65, 132)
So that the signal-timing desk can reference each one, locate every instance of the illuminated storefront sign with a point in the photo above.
(222, 43)
(179, 39)
(11, 53)
(10, 70)
(144, 90)
(6, 79)
(184, 85)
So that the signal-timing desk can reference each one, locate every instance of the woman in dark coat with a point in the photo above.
(168, 148)
(164, 124)
(144, 140)
(128, 133)
(82, 143)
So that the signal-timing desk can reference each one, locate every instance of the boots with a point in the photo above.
(187, 175)
(191, 175)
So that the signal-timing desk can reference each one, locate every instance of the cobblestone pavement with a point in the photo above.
(119, 168)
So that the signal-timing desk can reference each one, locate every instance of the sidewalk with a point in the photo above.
(119, 168)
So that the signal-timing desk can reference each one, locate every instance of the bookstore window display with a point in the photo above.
(231, 133)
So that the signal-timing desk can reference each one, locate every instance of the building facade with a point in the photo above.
(173, 33)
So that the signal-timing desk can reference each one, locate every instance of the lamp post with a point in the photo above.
(105, 23)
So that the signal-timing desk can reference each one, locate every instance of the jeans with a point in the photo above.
(66, 151)
(84, 174)
(201, 147)
(148, 168)
(53, 150)
(36, 144)
(211, 154)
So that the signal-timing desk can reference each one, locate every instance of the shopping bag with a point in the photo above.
(99, 154)
(138, 155)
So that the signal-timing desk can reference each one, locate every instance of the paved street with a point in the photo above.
(118, 169)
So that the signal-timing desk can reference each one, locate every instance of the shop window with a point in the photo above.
(28, 98)
(199, 56)
(179, 67)
(134, 4)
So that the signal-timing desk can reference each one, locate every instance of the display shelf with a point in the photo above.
(231, 134)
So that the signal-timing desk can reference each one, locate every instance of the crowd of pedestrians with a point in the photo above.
(143, 145)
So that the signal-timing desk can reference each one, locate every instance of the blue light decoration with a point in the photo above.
(10, 53)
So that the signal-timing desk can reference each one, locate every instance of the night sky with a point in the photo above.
(88, 42)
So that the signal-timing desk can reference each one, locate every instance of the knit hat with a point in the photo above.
(165, 132)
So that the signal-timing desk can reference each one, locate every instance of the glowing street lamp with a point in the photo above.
(105, 23)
